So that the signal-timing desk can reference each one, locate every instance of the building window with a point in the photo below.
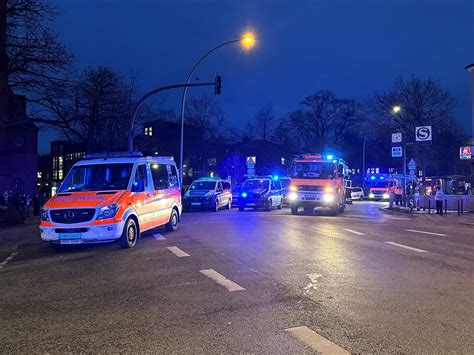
(39, 175)
(282, 160)
(148, 131)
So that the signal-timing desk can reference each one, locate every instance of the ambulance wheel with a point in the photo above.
(216, 206)
(280, 205)
(229, 204)
(129, 234)
(361, 198)
(172, 225)
(294, 210)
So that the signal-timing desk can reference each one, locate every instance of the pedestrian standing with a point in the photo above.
(439, 195)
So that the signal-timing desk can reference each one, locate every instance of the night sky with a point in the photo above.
(352, 47)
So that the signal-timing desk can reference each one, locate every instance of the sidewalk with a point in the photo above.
(451, 215)
(20, 234)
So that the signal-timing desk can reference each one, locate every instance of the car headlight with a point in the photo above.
(108, 211)
(44, 214)
(293, 188)
(292, 196)
(386, 196)
(371, 195)
(328, 198)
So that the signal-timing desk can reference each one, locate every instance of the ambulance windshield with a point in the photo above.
(97, 177)
(313, 170)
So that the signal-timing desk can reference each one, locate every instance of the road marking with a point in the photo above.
(231, 286)
(399, 218)
(354, 232)
(407, 247)
(158, 236)
(423, 232)
(178, 252)
(315, 341)
(7, 259)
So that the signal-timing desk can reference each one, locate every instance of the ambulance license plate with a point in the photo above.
(70, 238)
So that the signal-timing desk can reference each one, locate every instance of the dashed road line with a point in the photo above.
(178, 252)
(231, 286)
(7, 259)
(354, 232)
(315, 341)
(407, 247)
(424, 232)
(158, 236)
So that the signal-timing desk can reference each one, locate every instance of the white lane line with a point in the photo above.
(315, 341)
(231, 286)
(424, 232)
(178, 252)
(158, 236)
(354, 232)
(407, 247)
(7, 259)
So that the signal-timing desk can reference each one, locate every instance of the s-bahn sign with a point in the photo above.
(423, 134)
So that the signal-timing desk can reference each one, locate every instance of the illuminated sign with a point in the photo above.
(465, 153)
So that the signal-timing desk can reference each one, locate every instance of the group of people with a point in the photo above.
(24, 204)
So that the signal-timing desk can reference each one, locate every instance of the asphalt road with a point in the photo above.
(257, 282)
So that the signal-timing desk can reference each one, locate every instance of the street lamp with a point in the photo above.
(396, 109)
(247, 41)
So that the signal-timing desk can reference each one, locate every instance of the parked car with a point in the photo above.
(237, 189)
(208, 193)
(112, 197)
(261, 192)
(357, 193)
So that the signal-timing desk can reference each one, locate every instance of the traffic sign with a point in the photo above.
(397, 137)
(423, 134)
(465, 153)
(397, 152)
(412, 164)
(251, 162)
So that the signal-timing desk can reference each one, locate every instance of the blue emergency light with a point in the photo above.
(329, 156)
(372, 177)
(244, 194)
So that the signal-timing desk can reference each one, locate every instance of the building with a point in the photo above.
(64, 155)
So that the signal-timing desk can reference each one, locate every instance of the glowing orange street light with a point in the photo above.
(248, 40)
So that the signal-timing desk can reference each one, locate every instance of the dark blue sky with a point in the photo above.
(352, 47)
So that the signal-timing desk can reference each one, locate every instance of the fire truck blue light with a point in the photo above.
(244, 194)
(372, 178)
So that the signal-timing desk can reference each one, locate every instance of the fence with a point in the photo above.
(460, 203)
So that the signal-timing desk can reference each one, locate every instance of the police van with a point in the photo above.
(113, 197)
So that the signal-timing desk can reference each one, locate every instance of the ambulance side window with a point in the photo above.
(140, 182)
(160, 176)
(173, 176)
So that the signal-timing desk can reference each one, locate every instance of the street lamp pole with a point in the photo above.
(247, 40)
(183, 102)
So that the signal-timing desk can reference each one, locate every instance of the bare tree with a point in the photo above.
(37, 58)
(93, 110)
(205, 113)
(263, 125)
(324, 120)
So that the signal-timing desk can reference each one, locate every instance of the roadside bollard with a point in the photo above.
(459, 210)
(446, 206)
(429, 206)
(462, 206)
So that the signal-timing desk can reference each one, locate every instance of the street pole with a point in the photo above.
(363, 162)
(183, 101)
(404, 173)
(145, 97)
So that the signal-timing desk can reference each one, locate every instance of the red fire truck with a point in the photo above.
(318, 180)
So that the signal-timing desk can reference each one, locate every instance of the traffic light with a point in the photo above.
(217, 85)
